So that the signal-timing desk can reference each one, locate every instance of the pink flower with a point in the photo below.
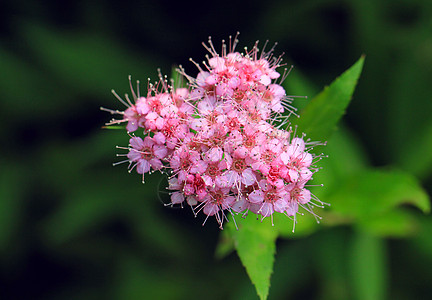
(146, 154)
(134, 118)
(218, 140)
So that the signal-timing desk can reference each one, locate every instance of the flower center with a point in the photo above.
(218, 198)
(239, 165)
(271, 196)
(185, 164)
(213, 170)
(249, 141)
(233, 124)
(267, 97)
(268, 156)
(147, 153)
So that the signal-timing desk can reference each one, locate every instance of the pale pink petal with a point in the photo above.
(240, 205)
(173, 184)
(210, 209)
(248, 177)
(136, 142)
(160, 151)
(228, 202)
(199, 167)
(134, 155)
(285, 158)
(191, 200)
(143, 166)
(304, 196)
(155, 163)
(159, 123)
(221, 181)
(240, 152)
(201, 77)
(159, 138)
(232, 178)
(165, 99)
(293, 175)
(211, 80)
(152, 115)
(148, 142)
(306, 159)
(265, 80)
(215, 154)
(256, 196)
(177, 198)
(298, 144)
(131, 126)
(277, 91)
(141, 106)
(280, 205)
(292, 208)
(207, 180)
(266, 209)
(305, 174)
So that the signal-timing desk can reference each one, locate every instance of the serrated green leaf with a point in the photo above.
(321, 115)
(255, 244)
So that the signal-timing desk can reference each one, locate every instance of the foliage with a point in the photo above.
(73, 227)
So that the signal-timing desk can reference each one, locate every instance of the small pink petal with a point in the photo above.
(256, 196)
(240, 205)
(304, 196)
(160, 151)
(210, 209)
(248, 177)
(267, 209)
(143, 166)
(177, 198)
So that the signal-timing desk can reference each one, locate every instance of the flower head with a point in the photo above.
(220, 140)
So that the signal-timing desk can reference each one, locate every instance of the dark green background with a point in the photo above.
(74, 227)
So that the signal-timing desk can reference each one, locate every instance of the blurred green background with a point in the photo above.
(74, 227)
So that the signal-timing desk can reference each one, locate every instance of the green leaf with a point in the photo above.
(297, 84)
(225, 245)
(396, 223)
(374, 192)
(306, 225)
(332, 270)
(177, 79)
(321, 115)
(416, 156)
(255, 244)
(368, 267)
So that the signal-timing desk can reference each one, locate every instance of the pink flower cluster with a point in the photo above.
(220, 140)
